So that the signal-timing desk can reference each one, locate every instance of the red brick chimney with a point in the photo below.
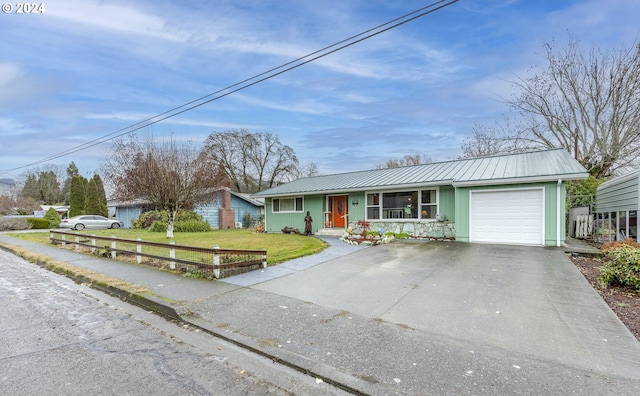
(226, 215)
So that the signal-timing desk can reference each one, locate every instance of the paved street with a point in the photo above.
(60, 338)
(408, 318)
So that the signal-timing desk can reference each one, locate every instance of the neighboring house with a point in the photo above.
(242, 204)
(617, 206)
(244, 207)
(127, 211)
(62, 210)
(517, 198)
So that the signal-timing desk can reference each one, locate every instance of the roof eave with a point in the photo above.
(357, 189)
(619, 179)
(517, 180)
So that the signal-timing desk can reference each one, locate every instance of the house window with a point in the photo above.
(414, 204)
(287, 205)
(428, 204)
(373, 206)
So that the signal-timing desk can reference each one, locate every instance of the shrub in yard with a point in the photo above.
(13, 224)
(146, 219)
(37, 223)
(187, 215)
(192, 226)
(621, 264)
(248, 220)
(53, 217)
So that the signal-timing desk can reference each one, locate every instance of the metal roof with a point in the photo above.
(249, 198)
(548, 165)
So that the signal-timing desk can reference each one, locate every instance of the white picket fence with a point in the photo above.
(584, 226)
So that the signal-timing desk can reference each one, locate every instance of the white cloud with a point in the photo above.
(119, 17)
(305, 106)
(122, 116)
(178, 120)
(9, 72)
(11, 127)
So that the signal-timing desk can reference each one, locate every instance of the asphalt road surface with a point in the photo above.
(61, 338)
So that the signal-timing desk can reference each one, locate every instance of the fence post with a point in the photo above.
(63, 240)
(77, 244)
(172, 255)
(113, 247)
(216, 262)
(51, 237)
(93, 243)
(264, 258)
(138, 250)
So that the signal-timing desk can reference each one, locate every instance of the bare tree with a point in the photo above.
(308, 169)
(504, 137)
(167, 174)
(407, 160)
(587, 103)
(251, 161)
(10, 205)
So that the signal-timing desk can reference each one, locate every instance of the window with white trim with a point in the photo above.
(413, 204)
(294, 204)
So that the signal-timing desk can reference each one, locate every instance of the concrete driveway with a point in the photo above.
(529, 300)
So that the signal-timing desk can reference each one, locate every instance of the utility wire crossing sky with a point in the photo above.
(80, 73)
(246, 83)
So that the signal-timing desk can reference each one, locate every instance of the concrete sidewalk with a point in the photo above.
(368, 319)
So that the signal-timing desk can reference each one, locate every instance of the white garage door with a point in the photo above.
(507, 216)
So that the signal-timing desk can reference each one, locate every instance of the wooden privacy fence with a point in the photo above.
(195, 261)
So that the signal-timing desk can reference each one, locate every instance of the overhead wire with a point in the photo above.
(251, 81)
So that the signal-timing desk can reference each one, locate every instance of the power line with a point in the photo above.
(256, 79)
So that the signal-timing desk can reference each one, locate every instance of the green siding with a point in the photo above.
(462, 214)
(357, 212)
(462, 197)
(453, 202)
(446, 202)
(275, 222)
(316, 204)
(618, 195)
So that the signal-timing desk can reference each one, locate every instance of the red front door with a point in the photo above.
(339, 211)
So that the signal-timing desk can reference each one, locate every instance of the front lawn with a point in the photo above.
(280, 247)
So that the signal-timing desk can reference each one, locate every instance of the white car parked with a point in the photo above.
(90, 222)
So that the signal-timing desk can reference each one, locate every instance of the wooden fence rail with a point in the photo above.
(196, 261)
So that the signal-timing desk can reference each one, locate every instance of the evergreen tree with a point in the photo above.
(102, 196)
(76, 196)
(30, 188)
(72, 170)
(49, 188)
(53, 217)
(92, 204)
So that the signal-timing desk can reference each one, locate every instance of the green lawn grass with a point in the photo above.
(280, 247)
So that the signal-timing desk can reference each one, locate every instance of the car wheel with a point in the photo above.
(115, 225)
(79, 227)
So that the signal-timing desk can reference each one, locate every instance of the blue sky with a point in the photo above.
(86, 68)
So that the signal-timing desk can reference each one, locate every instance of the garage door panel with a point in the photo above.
(507, 216)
